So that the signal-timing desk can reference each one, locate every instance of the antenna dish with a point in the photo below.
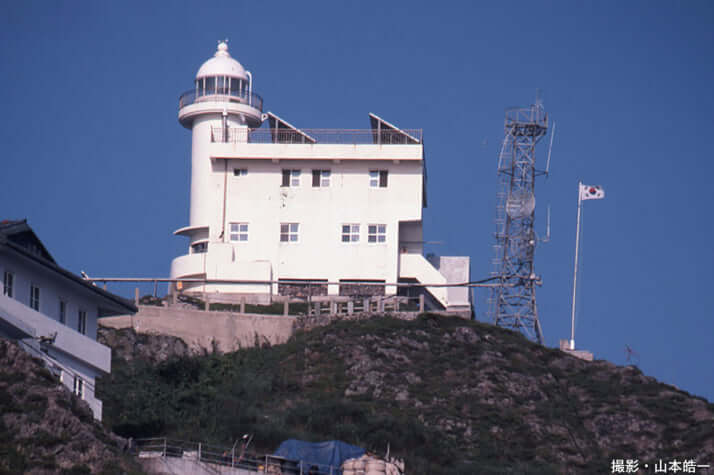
(520, 204)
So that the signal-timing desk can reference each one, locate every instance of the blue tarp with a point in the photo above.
(332, 452)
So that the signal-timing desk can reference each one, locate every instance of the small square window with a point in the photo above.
(374, 178)
(239, 232)
(289, 232)
(240, 172)
(350, 233)
(199, 247)
(291, 178)
(377, 233)
(378, 178)
(321, 178)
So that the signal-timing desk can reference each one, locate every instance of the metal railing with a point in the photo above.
(531, 120)
(321, 136)
(221, 95)
(228, 457)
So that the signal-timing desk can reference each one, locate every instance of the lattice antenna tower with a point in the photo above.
(513, 302)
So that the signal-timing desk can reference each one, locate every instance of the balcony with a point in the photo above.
(251, 99)
(194, 103)
(189, 265)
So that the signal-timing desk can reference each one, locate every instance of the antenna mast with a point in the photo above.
(513, 303)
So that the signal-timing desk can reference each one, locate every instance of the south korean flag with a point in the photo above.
(590, 192)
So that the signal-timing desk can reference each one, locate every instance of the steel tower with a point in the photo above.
(513, 302)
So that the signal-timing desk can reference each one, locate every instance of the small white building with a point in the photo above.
(53, 312)
(279, 203)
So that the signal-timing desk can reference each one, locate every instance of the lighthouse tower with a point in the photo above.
(222, 99)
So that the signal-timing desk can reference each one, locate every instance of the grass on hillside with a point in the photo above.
(297, 390)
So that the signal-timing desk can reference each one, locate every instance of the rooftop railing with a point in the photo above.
(221, 95)
(319, 136)
(529, 121)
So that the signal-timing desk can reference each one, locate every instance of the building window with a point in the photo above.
(82, 322)
(378, 178)
(35, 297)
(7, 283)
(199, 247)
(239, 232)
(289, 232)
(350, 233)
(62, 312)
(377, 233)
(240, 172)
(78, 387)
(291, 178)
(320, 178)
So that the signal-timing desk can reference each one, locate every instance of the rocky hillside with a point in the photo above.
(44, 429)
(128, 345)
(448, 395)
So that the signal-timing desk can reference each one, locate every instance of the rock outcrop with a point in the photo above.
(44, 429)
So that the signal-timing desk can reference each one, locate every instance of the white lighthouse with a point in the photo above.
(341, 209)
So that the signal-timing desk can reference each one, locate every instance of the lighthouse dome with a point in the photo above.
(222, 64)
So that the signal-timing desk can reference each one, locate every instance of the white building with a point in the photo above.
(279, 203)
(53, 312)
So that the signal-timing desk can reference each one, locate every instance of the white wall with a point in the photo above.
(53, 288)
(259, 200)
(77, 354)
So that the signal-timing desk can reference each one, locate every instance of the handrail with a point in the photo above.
(317, 136)
(221, 94)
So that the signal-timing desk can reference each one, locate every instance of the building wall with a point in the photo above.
(72, 353)
(53, 288)
(259, 200)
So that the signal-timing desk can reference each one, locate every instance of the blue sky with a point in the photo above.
(94, 157)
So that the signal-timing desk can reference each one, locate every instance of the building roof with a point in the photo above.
(20, 233)
(18, 237)
(222, 64)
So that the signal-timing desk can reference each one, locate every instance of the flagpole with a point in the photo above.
(575, 271)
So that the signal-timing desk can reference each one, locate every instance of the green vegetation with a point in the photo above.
(448, 395)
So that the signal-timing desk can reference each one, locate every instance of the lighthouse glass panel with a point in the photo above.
(210, 85)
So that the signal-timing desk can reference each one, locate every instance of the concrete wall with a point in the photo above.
(229, 331)
(456, 269)
(186, 466)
